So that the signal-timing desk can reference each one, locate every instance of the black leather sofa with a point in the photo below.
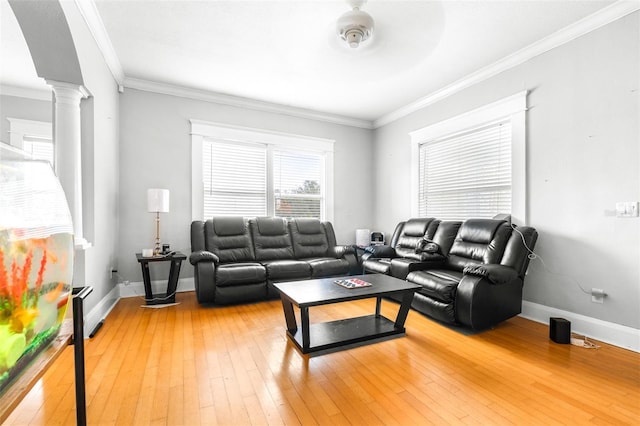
(235, 260)
(471, 273)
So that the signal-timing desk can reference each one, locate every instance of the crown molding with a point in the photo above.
(207, 96)
(590, 23)
(26, 92)
(92, 18)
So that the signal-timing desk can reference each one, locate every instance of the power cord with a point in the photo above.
(532, 256)
(583, 342)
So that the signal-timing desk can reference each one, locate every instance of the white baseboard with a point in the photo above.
(100, 311)
(136, 289)
(607, 332)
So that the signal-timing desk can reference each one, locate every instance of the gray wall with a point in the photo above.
(583, 156)
(155, 152)
(24, 108)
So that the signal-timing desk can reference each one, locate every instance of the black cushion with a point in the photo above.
(327, 267)
(271, 239)
(240, 273)
(309, 238)
(439, 284)
(379, 266)
(496, 274)
(228, 225)
(287, 269)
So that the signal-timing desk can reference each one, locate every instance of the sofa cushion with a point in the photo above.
(234, 244)
(378, 266)
(439, 284)
(240, 273)
(224, 226)
(327, 267)
(280, 270)
(410, 237)
(271, 225)
(401, 266)
(309, 238)
(271, 238)
(479, 241)
(309, 226)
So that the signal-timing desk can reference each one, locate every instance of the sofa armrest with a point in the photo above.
(203, 256)
(340, 251)
(496, 274)
(380, 251)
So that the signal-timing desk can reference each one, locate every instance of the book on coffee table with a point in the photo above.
(352, 283)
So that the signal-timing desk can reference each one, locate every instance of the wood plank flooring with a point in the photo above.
(194, 365)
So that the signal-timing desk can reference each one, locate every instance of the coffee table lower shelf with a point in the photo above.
(340, 333)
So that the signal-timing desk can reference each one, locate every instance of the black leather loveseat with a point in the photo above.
(471, 273)
(235, 260)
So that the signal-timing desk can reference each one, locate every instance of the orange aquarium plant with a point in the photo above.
(36, 262)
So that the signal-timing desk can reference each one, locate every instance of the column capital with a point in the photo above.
(61, 88)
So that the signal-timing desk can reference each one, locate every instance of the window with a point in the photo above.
(33, 137)
(247, 172)
(472, 165)
(234, 179)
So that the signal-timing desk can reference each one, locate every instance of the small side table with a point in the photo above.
(176, 261)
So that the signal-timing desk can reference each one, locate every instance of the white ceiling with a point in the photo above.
(286, 52)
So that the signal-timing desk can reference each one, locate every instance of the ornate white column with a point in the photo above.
(67, 143)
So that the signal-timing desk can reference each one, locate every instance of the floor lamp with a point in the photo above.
(157, 202)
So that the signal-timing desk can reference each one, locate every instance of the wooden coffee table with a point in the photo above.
(334, 334)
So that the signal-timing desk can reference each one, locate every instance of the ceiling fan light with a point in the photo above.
(354, 27)
(353, 38)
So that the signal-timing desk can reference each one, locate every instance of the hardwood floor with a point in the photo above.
(190, 365)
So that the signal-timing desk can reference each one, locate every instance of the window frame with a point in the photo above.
(20, 128)
(512, 108)
(201, 130)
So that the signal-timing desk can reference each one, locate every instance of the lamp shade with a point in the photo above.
(158, 200)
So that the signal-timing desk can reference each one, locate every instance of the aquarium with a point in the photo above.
(36, 260)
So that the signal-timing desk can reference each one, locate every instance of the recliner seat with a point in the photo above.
(480, 284)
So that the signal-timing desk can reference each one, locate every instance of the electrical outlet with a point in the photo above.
(627, 209)
(597, 295)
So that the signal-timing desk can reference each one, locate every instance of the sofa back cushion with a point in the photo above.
(413, 232)
(445, 235)
(479, 241)
(229, 239)
(516, 254)
(271, 238)
(309, 238)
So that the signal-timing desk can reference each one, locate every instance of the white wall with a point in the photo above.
(155, 152)
(100, 123)
(583, 147)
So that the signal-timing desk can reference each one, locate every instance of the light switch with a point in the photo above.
(627, 209)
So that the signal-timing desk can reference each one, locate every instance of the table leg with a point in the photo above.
(407, 297)
(172, 284)
(304, 318)
(146, 278)
(378, 303)
(289, 316)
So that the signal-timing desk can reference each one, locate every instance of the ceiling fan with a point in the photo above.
(355, 26)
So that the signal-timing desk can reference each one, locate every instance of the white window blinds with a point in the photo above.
(234, 179)
(297, 178)
(466, 174)
(241, 179)
(38, 148)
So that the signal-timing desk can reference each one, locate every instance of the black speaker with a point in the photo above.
(560, 330)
